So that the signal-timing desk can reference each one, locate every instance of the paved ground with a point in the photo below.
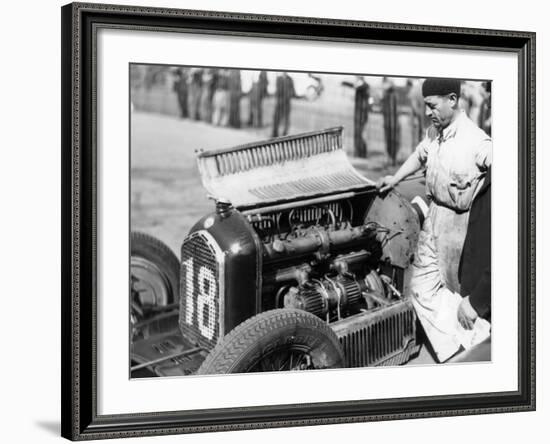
(167, 197)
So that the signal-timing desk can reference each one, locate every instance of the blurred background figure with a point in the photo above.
(194, 92)
(389, 112)
(485, 114)
(235, 94)
(315, 87)
(471, 99)
(153, 76)
(360, 114)
(383, 121)
(418, 111)
(220, 101)
(257, 93)
(208, 87)
(284, 93)
(180, 88)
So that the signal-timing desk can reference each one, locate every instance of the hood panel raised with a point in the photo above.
(280, 169)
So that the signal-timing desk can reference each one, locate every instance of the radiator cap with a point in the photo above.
(223, 207)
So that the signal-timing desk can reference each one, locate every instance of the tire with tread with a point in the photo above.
(270, 332)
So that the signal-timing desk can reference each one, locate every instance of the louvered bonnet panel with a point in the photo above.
(280, 169)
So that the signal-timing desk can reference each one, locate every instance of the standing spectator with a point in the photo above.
(235, 93)
(194, 92)
(154, 75)
(360, 114)
(220, 101)
(256, 95)
(389, 111)
(485, 115)
(418, 113)
(180, 88)
(207, 92)
(284, 93)
(471, 100)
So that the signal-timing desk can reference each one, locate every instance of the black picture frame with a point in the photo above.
(79, 211)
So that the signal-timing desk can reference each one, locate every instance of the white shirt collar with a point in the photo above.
(450, 131)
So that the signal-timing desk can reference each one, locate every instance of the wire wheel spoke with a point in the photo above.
(284, 359)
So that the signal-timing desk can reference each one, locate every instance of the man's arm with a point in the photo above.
(411, 166)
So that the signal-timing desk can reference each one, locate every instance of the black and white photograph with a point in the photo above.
(288, 220)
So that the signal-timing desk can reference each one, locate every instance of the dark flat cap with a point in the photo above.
(440, 87)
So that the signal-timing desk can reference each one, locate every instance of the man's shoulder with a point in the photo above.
(469, 128)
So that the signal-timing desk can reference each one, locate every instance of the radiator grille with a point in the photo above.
(200, 290)
(386, 337)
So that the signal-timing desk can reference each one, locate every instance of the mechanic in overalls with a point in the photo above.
(456, 154)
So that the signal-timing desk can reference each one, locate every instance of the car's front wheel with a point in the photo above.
(276, 340)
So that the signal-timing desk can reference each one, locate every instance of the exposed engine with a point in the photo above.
(335, 265)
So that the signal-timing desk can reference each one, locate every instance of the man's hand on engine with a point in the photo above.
(386, 183)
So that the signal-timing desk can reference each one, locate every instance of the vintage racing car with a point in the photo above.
(301, 265)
